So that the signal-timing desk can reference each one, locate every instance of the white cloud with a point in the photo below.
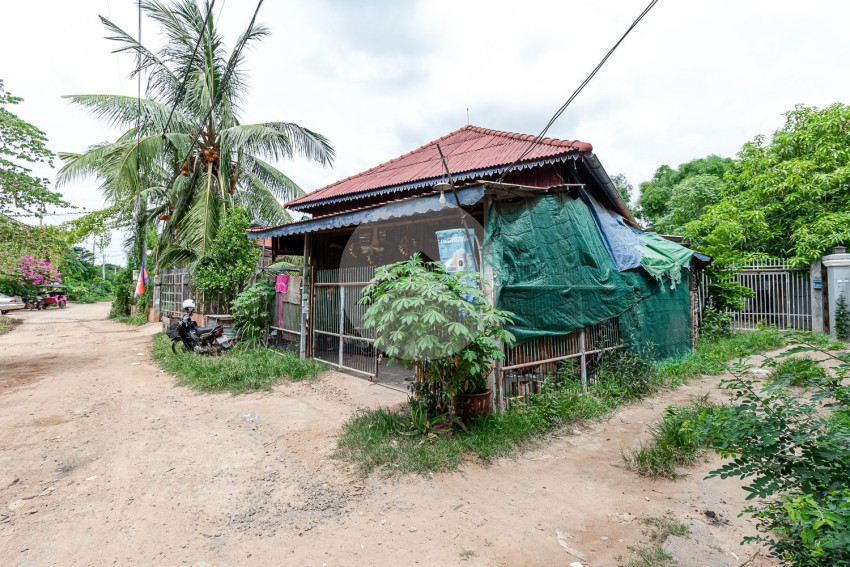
(380, 79)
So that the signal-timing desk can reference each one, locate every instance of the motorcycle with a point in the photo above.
(188, 336)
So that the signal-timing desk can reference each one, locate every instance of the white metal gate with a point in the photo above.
(337, 320)
(781, 296)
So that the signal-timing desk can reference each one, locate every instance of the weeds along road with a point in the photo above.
(104, 461)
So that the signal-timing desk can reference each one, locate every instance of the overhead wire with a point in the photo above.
(572, 97)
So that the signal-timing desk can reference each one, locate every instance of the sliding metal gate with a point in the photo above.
(782, 296)
(337, 320)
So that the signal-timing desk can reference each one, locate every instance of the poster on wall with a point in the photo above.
(455, 251)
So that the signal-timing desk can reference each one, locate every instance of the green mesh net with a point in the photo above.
(555, 275)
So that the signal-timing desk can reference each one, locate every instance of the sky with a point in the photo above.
(382, 77)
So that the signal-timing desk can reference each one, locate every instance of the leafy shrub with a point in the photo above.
(251, 313)
(626, 374)
(439, 323)
(842, 319)
(796, 453)
(122, 294)
(231, 259)
(716, 324)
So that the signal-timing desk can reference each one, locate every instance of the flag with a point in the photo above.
(143, 279)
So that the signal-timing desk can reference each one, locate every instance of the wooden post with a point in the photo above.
(582, 347)
(302, 347)
(494, 380)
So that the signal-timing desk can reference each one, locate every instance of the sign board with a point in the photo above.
(455, 251)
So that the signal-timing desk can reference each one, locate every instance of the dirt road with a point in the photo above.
(103, 461)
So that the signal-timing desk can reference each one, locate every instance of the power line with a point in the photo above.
(222, 86)
(182, 88)
(583, 84)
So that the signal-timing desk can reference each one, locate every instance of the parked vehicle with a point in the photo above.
(10, 303)
(190, 337)
(53, 294)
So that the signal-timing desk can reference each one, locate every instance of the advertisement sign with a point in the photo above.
(455, 252)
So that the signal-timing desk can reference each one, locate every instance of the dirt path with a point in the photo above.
(103, 461)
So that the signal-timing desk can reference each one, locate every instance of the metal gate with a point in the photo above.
(336, 320)
(781, 296)
(176, 285)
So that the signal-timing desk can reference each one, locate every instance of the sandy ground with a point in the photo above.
(103, 461)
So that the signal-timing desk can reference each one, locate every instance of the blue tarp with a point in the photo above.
(622, 241)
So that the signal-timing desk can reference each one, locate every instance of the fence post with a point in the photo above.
(582, 347)
(816, 289)
(302, 347)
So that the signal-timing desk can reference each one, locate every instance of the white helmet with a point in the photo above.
(188, 304)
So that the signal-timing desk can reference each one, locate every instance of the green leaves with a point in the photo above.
(438, 322)
(231, 258)
(251, 311)
(20, 142)
(794, 449)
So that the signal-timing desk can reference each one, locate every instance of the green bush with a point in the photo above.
(230, 260)
(716, 324)
(795, 453)
(122, 298)
(251, 313)
(5, 324)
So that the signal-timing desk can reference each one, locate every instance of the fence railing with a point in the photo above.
(781, 295)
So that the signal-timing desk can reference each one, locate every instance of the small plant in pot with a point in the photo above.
(440, 325)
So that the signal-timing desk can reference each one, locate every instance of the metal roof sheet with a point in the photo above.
(466, 196)
(469, 149)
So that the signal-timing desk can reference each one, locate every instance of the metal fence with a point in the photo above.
(337, 320)
(781, 296)
(527, 364)
(175, 287)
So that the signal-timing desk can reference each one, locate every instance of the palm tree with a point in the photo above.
(147, 167)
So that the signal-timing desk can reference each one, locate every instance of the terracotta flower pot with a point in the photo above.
(472, 405)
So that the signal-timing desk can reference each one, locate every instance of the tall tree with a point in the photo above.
(228, 162)
(789, 196)
(655, 196)
(22, 143)
(625, 189)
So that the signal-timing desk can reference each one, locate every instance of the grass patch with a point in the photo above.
(238, 370)
(802, 371)
(5, 324)
(658, 529)
(382, 439)
(711, 356)
(673, 443)
(138, 319)
(385, 439)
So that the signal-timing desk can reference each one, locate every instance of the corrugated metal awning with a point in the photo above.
(467, 196)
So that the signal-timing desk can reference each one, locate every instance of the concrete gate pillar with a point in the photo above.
(837, 281)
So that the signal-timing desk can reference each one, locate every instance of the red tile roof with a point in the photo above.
(469, 149)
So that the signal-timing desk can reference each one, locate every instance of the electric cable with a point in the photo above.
(583, 84)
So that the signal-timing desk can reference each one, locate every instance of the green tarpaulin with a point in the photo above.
(554, 273)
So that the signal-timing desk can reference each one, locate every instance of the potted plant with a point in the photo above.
(440, 325)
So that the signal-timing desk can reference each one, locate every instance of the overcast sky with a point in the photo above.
(383, 77)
